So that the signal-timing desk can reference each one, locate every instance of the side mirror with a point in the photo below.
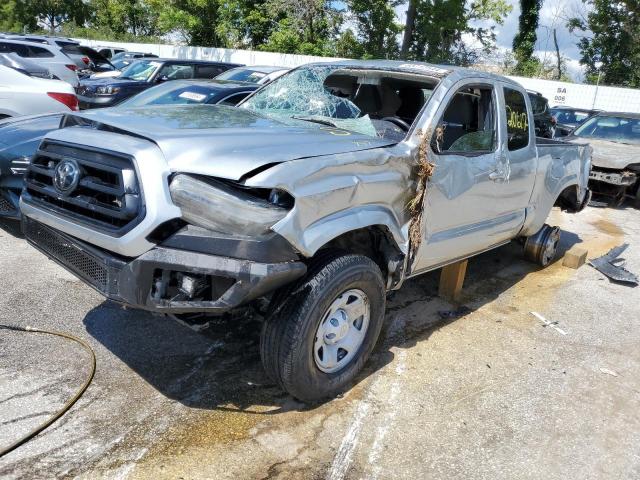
(161, 79)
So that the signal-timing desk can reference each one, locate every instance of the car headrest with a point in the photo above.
(367, 99)
(460, 110)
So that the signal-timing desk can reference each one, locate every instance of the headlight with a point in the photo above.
(214, 205)
(107, 90)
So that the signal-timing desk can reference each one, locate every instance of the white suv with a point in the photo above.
(49, 57)
(22, 94)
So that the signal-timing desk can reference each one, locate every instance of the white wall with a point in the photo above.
(246, 57)
(558, 93)
(584, 96)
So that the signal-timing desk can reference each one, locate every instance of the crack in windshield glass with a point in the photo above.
(303, 96)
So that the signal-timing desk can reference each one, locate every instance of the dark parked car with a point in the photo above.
(110, 52)
(97, 62)
(568, 118)
(544, 121)
(141, 75)
(130, 55)
(124, 59)
(20, 138)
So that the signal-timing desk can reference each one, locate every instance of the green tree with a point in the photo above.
(245, 23)
(135, 17)
(54, 13)
(349, 46)
(436, 31)
(524, 43)
(613, 46)
(308, 27)
(14, 17)
(376, 25)
(194, 20)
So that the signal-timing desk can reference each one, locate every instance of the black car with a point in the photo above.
(97, 62)
(568, 118)
(20, 137)
(19, 140)
(544, 121)
(141, 75)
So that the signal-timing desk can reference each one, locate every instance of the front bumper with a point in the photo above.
(10, 187)
(152, 281)
(99, 101)
(623, 178)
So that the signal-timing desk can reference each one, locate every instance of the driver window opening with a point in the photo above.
(392, 103)
(468, 125)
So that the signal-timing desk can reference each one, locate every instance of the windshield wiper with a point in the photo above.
(321, 121)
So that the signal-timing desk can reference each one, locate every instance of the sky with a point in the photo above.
(554, 14)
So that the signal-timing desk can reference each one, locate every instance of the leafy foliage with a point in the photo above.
(440, 26)
(613, 47)
(524, 43)
(375, 21)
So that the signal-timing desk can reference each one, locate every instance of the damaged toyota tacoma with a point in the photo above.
(322, 192)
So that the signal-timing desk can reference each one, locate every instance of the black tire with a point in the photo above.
(288, 333)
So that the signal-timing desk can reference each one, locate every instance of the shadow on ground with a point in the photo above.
(220, 368)
(12, 227)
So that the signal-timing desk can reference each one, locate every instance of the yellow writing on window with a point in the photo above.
(517, 120)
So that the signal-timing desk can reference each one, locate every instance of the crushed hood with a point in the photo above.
(610, 154)
(226, 142)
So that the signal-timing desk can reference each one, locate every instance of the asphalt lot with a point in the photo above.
(493, 394)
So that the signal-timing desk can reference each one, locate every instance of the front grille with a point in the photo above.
(71, 256)
(5, 205)
(85, 91)
(107, 195)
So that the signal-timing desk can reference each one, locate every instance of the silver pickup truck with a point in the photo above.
(322, 192)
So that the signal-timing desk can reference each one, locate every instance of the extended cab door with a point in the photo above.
(520, 156)
(462, 211)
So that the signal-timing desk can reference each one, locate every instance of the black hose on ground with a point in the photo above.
(69, 402)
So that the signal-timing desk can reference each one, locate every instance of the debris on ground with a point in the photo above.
(598, 204)
(612, 266)
(453, 314)
(547, 323)
(575, 257)
(608, 372)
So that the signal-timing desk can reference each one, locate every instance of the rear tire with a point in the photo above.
(341, 301)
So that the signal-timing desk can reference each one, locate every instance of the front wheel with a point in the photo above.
(319, 335)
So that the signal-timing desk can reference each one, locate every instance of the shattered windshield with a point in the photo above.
(375, 102)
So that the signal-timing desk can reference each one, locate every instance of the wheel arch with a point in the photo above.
(375, 242)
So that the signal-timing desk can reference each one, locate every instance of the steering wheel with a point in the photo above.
(398, 122)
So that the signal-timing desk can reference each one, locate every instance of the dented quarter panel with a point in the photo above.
(560, 165)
